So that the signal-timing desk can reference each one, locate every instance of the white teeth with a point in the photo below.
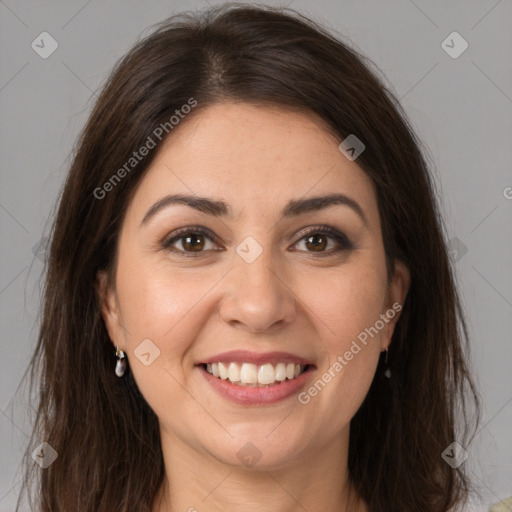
(280, 372)
(223, 371)
(266, 374)
(248, 374)
(233, 372)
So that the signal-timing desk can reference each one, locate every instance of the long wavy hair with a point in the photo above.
(106, 435)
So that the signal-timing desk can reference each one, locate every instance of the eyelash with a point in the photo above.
(341, 238)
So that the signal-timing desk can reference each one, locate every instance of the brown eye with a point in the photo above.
(188, 241)
(194, 242)
(317, 242)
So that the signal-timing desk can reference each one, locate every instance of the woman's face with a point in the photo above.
(255, 284)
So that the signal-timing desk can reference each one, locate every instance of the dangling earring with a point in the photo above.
(387, 369)
(121, 362)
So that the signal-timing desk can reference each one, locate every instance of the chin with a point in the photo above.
(256, 452)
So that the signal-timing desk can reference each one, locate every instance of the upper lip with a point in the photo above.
(245, 356)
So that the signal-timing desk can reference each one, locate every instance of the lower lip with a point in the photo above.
(255, 395)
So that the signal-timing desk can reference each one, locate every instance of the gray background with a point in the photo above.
(461, 109)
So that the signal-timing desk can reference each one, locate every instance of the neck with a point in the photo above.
(196, 481)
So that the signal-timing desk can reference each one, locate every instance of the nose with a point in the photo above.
(257, 296)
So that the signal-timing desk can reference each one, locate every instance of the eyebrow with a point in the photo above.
(218, 208)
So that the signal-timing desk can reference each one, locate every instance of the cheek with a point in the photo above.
(344, 302)
(161, 306)
(345, 307)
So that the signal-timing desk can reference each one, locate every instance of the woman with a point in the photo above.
(249, 303)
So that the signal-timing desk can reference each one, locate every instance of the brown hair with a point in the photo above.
(106, 435)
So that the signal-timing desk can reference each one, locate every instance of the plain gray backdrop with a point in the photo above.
(460, 106)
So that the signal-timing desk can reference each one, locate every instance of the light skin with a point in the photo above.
(290, 298)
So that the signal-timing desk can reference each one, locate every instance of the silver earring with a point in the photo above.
(121, 362)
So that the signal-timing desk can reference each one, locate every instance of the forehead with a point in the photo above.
(255, 159)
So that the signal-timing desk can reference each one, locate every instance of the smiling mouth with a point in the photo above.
(252, 375)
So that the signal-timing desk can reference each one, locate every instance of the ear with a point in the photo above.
(397, 293)
(109, 309)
